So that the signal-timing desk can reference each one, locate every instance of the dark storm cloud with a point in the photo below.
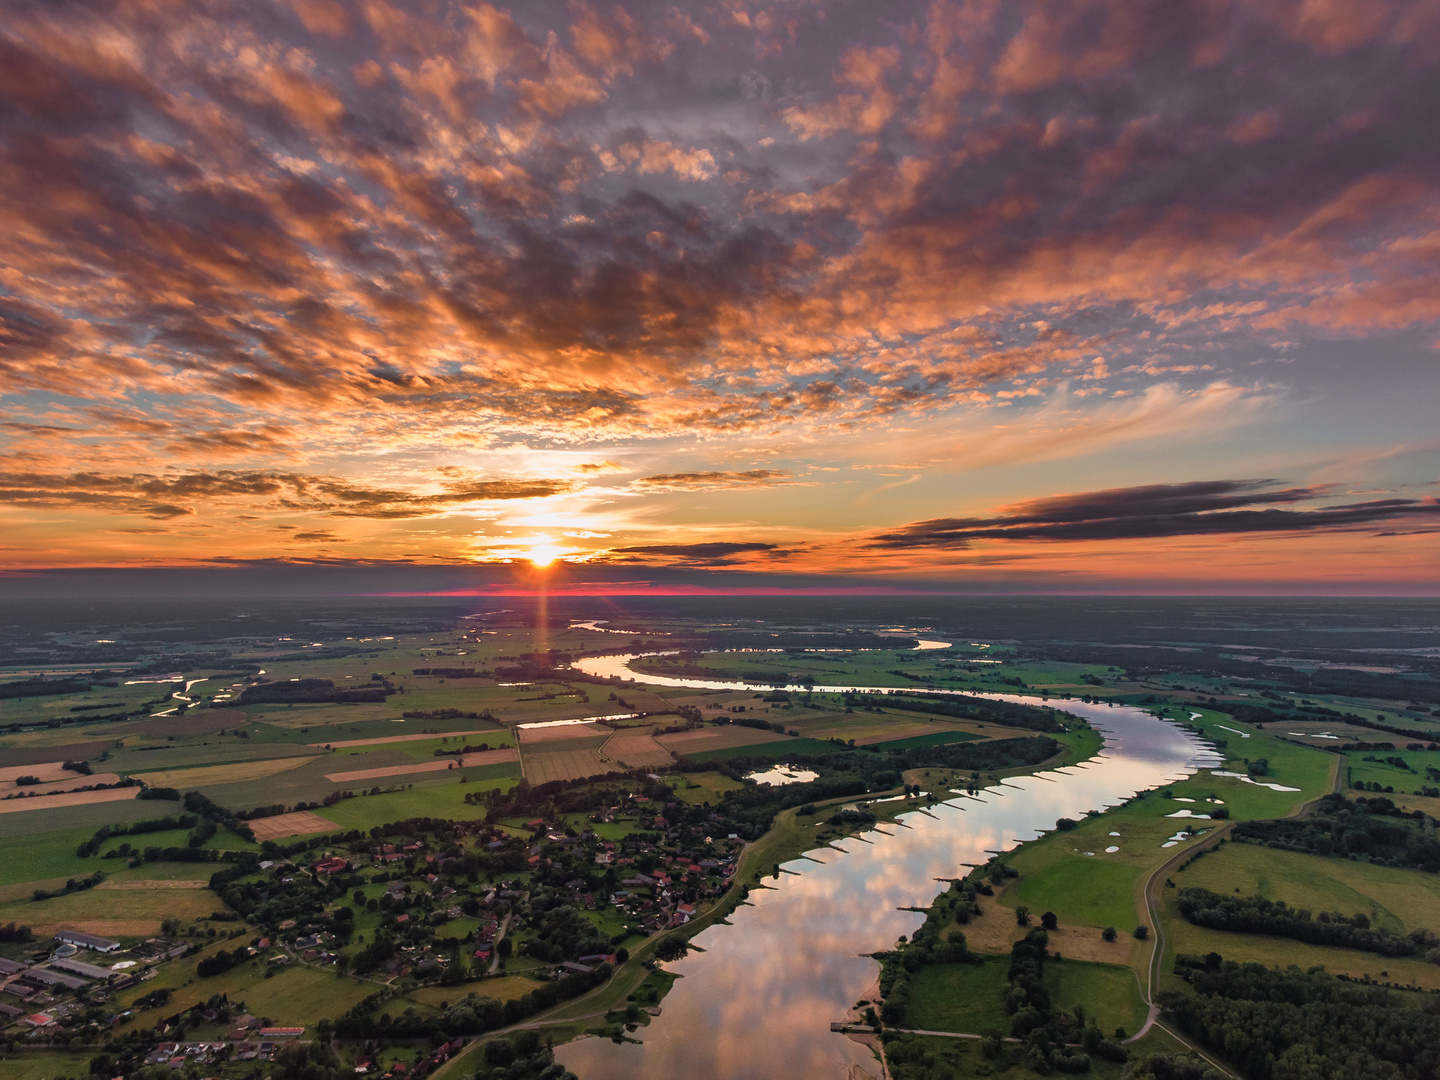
(1158, 510)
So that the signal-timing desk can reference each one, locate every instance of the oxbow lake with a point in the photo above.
(758, 1002)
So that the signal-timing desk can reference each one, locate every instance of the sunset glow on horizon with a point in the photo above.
(944, 295)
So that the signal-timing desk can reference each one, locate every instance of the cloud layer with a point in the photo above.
(1162, 510)
(295, 259)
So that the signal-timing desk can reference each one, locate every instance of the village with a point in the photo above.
(419, 903)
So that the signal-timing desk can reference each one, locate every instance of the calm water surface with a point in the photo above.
(758, 1002)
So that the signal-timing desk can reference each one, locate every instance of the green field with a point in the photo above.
(443, 799)
(1397, 899)
(294, 996)
(115, 912)
(969, 997)
(937, 739)
(1083, 891)
(1097, 889)
(1182, 937)
(23, 1065)
(703, 787)
(959, 997)
(1387, 775)
(1291, 765)
(43, 855)
(1110, 994)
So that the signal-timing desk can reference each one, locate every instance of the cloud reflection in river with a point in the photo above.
(757, 1004)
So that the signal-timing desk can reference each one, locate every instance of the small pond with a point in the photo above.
(783, 774)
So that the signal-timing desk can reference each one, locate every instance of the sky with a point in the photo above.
(1046, 294)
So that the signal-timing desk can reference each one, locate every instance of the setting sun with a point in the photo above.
(543, 554)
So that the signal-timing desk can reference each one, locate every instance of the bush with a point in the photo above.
(1108, 933)
(1141, 932)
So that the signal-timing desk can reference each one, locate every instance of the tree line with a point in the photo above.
(1372, 829)
(1257, 915)
(1288, 1024)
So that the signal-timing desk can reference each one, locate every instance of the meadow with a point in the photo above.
(1396, 899)
(959, 997)
(970, 997)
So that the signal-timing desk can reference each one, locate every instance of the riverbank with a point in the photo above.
(788, 840)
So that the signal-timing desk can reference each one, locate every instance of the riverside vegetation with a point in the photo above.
(426, 910)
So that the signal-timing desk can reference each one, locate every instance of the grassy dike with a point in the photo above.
(789, 837)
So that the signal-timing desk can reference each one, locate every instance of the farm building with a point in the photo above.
(87, 941)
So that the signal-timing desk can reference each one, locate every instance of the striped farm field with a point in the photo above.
(68, 798)
(637, 750)
(566, 765)
(44, 771)
(441, 764)
(724, 737)
(297, 824)
(234, 772)
(69, 783)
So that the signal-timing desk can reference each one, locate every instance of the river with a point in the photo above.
(757, 1003)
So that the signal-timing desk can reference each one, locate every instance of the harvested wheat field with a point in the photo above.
(717, 738)
(70, 783)
(565, 765)
(480, 757)
(233, 773)
(530, 736)
(637, 749)
(46, 770)
(281, 825)
(68, 798)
